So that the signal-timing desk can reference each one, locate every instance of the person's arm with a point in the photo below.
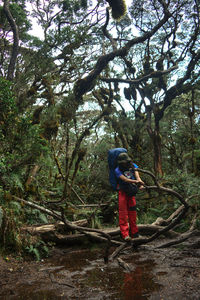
(137, 176)
(124, 178)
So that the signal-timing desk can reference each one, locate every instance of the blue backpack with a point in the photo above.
(112, 163)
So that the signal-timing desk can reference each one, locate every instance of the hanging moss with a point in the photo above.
(84, 4)
(118, 8)
(83, 86)
(127, 93)
(133, 92)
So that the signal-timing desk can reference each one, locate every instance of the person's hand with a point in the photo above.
(136, 181)
(140, 181)
(141, 184)
(141, 187)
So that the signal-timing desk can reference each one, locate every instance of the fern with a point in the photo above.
(16, 207)
(34, 251)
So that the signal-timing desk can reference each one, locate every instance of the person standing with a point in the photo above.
(126, 174)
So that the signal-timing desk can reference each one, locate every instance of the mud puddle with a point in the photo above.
(82, 274)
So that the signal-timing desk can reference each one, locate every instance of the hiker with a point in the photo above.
(129, 182)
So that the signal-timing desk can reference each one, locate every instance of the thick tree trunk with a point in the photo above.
(157, 153)
(32, 174)
(155, 137)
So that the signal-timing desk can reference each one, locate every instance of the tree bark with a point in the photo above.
(15, 48)
(157, 153)
(32, 174)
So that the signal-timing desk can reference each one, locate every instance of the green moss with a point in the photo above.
(118, 8)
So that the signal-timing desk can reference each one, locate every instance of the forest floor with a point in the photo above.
(80, 273)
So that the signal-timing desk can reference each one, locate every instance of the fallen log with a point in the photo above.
(162, 222)
(144, 229)
(61, 217)
(62, 235)
(59, 226)
(75, 239)
(124, 265)
(60, 239)
(149, 229)
(117, 251)
(100, 235)
(92, 205)
(185, 236)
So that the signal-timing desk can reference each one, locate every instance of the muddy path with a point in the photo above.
(80, 273)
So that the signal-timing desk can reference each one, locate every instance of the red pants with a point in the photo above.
(127, 214)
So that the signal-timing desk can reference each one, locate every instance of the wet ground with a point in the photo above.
(72, 273)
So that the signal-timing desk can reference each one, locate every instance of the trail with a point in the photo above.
(80, 273)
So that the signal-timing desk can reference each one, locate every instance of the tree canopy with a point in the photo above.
(81, 77)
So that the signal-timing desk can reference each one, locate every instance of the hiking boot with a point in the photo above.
(136, 235)
(128, 238)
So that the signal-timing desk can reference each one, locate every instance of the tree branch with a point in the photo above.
(155, 74)
(15, 48)
(106, 33)
(85, 84)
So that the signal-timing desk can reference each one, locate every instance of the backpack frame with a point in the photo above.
(112, 163)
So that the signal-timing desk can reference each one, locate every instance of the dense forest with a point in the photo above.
(78, 78)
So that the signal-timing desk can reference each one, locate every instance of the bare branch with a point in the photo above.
(154, 74)
(106, 33)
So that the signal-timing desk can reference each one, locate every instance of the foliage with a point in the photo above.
(21, 141)
(38, 250)
(138, 87)
(10, 229)
(35, 216)
(182, 183)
